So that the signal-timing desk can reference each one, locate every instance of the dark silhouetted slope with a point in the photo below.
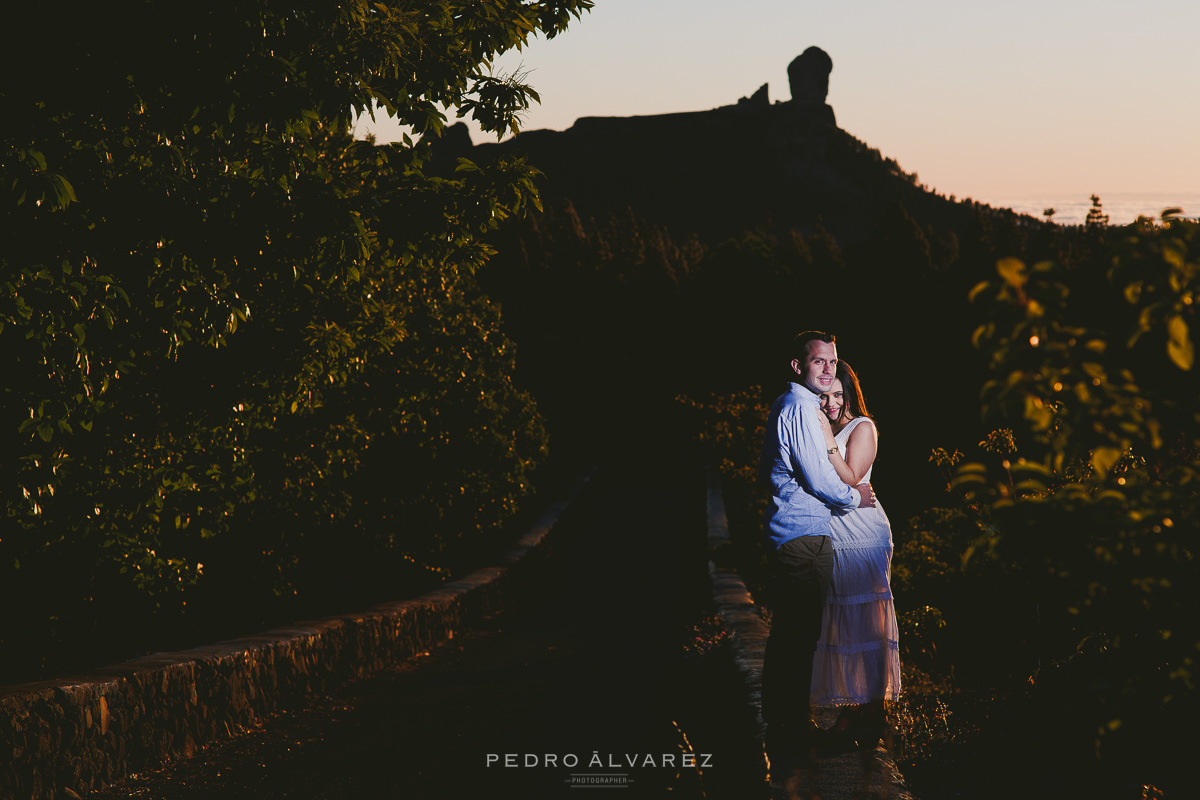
(719, 172)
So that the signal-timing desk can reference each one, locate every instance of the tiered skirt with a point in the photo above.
(858, 656)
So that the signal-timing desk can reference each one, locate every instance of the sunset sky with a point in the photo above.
(983, 100)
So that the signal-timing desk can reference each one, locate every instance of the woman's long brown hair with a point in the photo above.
(852, 397)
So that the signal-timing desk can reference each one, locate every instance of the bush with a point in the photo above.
(1086, 504)
(246, 356)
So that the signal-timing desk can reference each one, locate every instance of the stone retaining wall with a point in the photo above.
(69, 736)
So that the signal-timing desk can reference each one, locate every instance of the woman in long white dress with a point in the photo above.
(857, 663)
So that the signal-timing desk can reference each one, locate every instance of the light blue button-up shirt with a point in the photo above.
(804, 485)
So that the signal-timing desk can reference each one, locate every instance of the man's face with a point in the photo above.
(817, 368)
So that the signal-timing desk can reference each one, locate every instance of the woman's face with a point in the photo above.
(831, 400)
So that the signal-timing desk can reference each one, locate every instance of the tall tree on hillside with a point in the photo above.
(900, 247)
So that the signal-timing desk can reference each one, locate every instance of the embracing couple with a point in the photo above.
(833, 638)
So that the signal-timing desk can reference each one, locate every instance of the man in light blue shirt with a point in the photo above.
(804, 488)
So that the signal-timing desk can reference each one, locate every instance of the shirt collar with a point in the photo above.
(806, 395)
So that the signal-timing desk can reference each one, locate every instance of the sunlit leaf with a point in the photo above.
(1013, 271)
(1104, 458)
(1180, 347)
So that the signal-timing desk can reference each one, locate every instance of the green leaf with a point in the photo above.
(1012, 270)
(1173, 255)
(1179, 344)
(1104, 459)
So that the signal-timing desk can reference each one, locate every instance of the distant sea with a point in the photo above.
(1121, 208)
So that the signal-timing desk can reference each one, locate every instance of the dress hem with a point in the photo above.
(853, 650)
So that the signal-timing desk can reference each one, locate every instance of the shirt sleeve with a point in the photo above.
(812, 458)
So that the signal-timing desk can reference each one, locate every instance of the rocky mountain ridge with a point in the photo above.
(715, 173)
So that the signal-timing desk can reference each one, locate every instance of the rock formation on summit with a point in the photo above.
(759, 99)
(808, 75)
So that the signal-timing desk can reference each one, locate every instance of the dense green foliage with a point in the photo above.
(246, 356)
(1088, 498)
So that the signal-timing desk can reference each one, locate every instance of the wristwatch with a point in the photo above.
(834, 450)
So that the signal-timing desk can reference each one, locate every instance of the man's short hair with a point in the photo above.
(797, 348)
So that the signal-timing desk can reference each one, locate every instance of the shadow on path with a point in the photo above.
(590, 665)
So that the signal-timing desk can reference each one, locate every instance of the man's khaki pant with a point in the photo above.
(802, 569)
